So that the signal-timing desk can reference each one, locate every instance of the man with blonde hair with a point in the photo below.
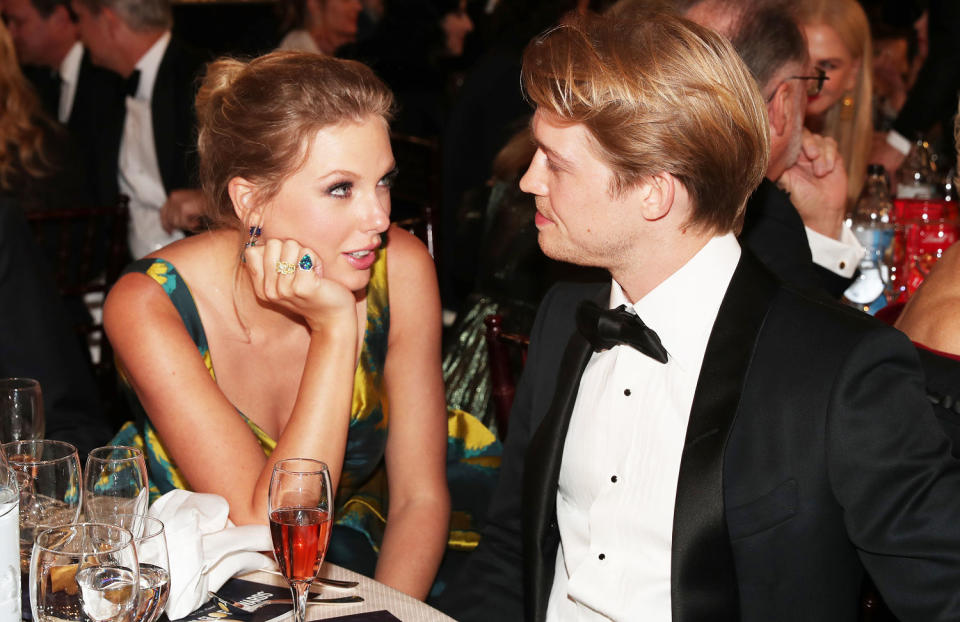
(743, 452)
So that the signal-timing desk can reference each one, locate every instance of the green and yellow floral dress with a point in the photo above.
(473, 453)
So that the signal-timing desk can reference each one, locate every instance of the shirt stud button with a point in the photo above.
(843, 265)
(602, 556)
(613, 478)
(626, 392)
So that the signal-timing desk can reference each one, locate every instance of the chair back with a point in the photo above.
(416, 195)
(501, 348)
(86, 249)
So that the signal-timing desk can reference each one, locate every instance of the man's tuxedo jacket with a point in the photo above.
(811, 454)
(98, 96)
(774, 232)
(174, 121)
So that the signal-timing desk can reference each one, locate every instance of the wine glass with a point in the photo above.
(151, 544)
(84, 572)
(115, 482)
(48, 476)
(301, 509)
(21, 409)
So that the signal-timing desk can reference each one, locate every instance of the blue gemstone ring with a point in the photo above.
(306, 262)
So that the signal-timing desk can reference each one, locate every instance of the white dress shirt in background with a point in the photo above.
(138, 170)
(69, 77)
(621, 458)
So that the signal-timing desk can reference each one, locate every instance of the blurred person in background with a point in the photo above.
(147, 145)
(72, 90)
(932, 100)
(838, 36)
(794, 220)
(38, 165)
(319, 26)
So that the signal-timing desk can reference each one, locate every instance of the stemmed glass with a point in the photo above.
(301, 508)
(115, 482)
(151, 544)
(84, 572)
(48, 476)
(21, 409)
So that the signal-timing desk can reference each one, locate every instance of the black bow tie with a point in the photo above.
(605, 328)
(131, 83)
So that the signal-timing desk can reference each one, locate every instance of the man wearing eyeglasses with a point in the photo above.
(794, 221)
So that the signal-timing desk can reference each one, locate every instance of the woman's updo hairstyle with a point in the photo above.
(256, 117)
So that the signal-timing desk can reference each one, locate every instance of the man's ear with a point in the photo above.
(779, 109)
(243, 195)
(656, 196)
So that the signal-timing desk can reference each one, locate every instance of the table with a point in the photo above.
(376, 597)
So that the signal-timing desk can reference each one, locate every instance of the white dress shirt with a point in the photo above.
(838, 256)
(621, 459)
(139, 172)
(69, 77)
(299, 40)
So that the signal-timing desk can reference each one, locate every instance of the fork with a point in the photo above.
(250, 608)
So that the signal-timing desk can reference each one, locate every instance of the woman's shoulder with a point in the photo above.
(196, 260)
(407, 255)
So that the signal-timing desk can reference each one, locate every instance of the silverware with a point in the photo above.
(250, 608)
(324, 581)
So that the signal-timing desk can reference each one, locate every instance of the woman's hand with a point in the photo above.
(284, 273)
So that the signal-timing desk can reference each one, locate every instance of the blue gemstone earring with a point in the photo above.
(254, 236)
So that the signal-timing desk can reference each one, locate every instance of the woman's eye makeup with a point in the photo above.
(389, 179)
(340, 189)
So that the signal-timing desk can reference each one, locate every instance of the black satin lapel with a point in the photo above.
(704, 584)
(541, 476)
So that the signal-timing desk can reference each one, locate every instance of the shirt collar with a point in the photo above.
(149, 65)
(683, 308)
(70, 65)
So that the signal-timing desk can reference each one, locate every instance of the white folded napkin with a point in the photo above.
(205, 548)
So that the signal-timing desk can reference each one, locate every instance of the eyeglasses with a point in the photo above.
(813, 87)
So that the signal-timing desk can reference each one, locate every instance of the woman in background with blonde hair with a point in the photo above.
(37, 165)
(838, 36)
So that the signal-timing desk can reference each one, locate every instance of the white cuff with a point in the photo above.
(838, 256)
(898, 142)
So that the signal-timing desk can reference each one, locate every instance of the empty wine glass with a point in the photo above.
(151, 544)
(115, 482)
(48, 476)
(21, 409)
(84, 572)
(301, 508)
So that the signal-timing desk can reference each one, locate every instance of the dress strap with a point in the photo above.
(163, 272)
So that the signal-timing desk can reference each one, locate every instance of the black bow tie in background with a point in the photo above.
(605, 328)
(131, 83)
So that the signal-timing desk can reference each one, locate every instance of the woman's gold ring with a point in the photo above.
(285, 267)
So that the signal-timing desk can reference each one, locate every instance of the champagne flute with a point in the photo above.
(151, 543)
(48, 476)
(21, 409)
(301, 509)
(115, 482)
(84, 572)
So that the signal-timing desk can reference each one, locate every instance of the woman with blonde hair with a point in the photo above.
(284, 331)
(838, 35)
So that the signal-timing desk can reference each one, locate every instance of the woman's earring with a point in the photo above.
(846, 107)
(254, 236)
